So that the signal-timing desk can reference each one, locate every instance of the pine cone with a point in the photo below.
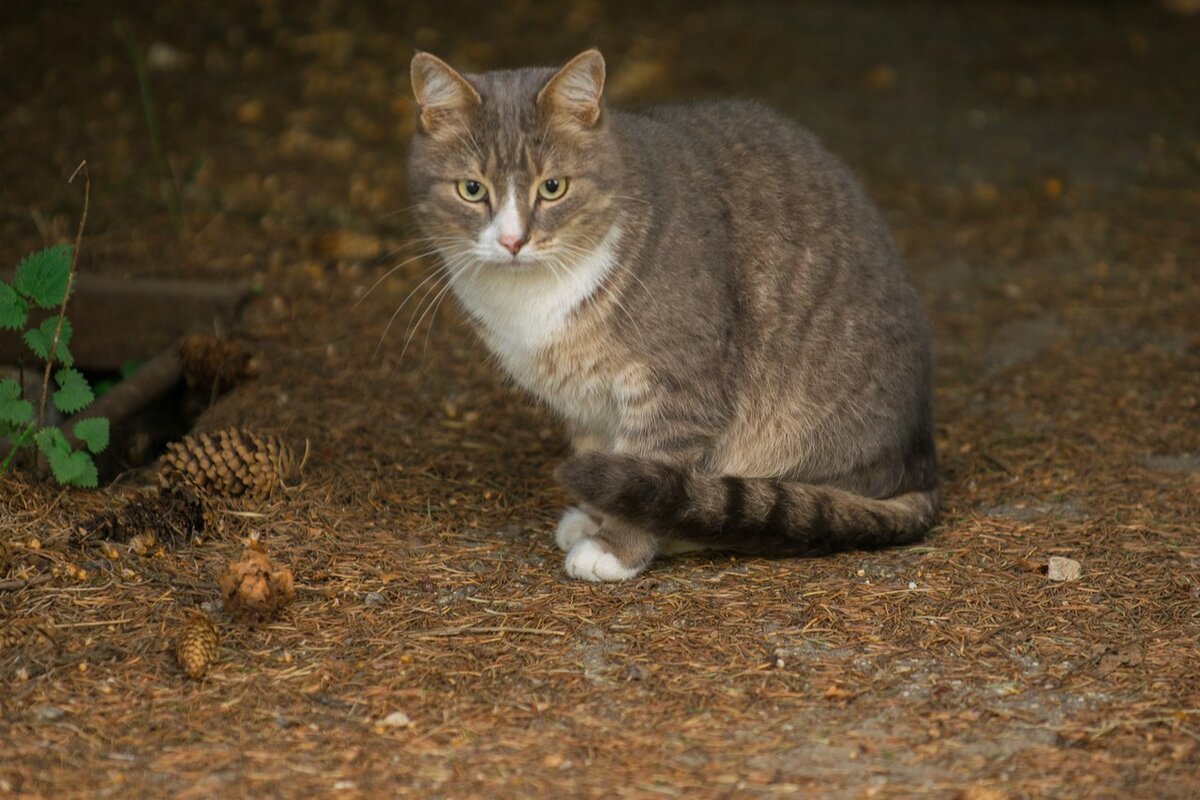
(212, 363)
(196, 646)
(253, 588)
(19, 631)
(173, 516)
(11, 635)
(229, 463)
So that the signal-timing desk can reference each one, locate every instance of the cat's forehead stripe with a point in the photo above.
(510, 121)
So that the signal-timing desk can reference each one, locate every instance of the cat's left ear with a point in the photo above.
(574, 91)
(444, 96)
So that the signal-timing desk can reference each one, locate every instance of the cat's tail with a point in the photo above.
(748, 514)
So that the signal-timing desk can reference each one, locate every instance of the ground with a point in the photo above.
(1039, 165)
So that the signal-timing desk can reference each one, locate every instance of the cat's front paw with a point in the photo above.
(589, 561)
(574, 526)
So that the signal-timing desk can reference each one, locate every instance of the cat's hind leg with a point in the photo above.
(615, 552)
(574, 525)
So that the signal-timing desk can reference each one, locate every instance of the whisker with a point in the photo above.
(441, 298)
(415, 326)
(443, 270)
(390, 272)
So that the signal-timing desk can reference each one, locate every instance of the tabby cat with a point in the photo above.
(703, 294)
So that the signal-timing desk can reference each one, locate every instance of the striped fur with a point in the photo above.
(752, 515)
(714, 308)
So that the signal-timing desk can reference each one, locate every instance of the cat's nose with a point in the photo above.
(513, 243)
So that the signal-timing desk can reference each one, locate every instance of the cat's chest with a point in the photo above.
(529, 321)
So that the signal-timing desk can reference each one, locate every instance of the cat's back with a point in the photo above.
(769, 186)
(727, 135)
(754, 166)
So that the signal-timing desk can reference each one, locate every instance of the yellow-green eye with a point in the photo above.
(471, 191)
(552, 188)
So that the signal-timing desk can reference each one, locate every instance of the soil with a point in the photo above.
(1039, 164)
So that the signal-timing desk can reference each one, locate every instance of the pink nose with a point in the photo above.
(512, 244)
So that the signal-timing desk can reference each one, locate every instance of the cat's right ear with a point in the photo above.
(573, 94)
(445, 96)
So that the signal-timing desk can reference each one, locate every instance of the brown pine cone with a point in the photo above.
(196, 646)
(229, 463)
(253, 588)
(18, 631)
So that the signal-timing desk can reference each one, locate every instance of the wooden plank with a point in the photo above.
(118, 319)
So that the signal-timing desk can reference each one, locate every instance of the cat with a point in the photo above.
(703, 294)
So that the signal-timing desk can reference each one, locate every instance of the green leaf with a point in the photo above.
(93, 432)
(42, 276)
(70, 467)
(50, 440)
(14, 410)
(39, 340)
(73, 393)
(73, 468)
(13, 310)
(83, 471)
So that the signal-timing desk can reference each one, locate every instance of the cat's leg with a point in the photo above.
(574, 525)
(616, 552)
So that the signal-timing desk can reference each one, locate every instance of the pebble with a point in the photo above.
(396, 719)
(374, 599)
(1063, 569)
(48, 712)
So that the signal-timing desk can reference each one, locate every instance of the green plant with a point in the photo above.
(43, 280)
(166, 176)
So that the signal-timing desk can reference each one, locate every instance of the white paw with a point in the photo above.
(590, 561)
(573, 526)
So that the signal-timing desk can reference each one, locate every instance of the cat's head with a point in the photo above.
(513, 169)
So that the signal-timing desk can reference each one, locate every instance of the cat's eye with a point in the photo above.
(552, 188)
(471, 191)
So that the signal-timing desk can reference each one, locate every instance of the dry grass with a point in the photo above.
(427, 583)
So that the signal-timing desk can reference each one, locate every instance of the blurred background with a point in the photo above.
(279, 118)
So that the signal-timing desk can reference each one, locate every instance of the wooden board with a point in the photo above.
(116, 320)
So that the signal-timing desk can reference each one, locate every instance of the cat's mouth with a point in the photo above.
(499, 258)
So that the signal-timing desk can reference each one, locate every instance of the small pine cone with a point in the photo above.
(211, 363)
(143, 544)
(229, 463)
(253, 588)
(10, 636)
(23, 631)
(196, 646)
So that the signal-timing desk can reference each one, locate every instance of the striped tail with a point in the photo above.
(756, 515)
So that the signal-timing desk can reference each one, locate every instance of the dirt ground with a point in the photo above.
(1039, 164)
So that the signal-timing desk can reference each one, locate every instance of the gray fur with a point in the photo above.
(759, 324)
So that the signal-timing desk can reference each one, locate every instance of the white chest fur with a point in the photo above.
(523, 311)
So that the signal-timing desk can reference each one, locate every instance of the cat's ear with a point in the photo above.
(574, 92)
(444, 95)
